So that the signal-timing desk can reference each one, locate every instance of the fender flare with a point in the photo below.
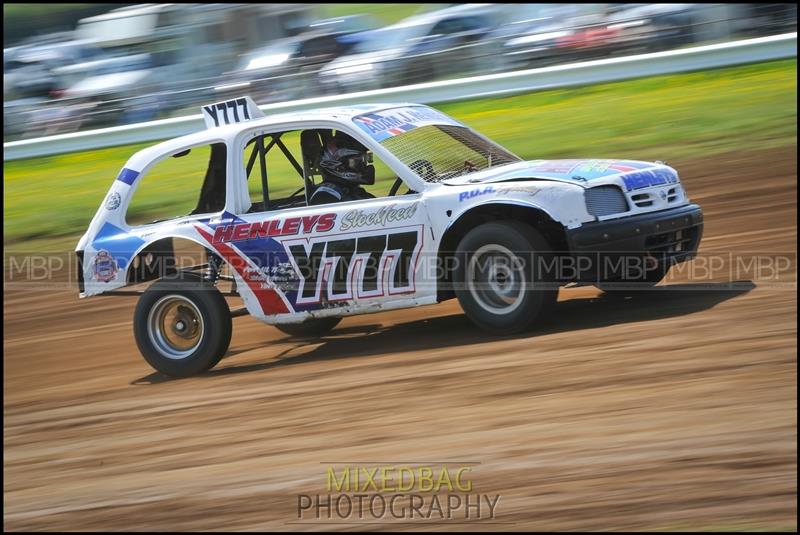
(497, 204)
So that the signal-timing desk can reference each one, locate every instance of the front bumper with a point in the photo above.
(609, 250)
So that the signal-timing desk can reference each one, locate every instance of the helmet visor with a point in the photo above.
(358, 161)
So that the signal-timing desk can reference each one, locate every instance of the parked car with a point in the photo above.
(417, 49)
(576, 32)
(32, 68)
(653, 27)
(288, 68)
(115, 89)
(190, 45)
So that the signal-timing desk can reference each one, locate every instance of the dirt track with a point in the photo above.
(670, 409)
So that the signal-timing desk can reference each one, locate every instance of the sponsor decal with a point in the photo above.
(118, 243)
(387, 214)
(464, 195)
(290, 272)
(555, 166)
(104, 267)
(527, 190)
(645, 179)
(585, 170)
(600, 167)
(355, 266)
(291, 226)
(113, 201)
(268, 299)
(388, 123)
(280, 276)
(336, 304)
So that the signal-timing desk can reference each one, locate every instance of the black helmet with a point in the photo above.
(346, 161)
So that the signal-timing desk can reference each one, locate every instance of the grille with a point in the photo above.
(669, 243)
(672, 195)
(605, 200)
(642, 200)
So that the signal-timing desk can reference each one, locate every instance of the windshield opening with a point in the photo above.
(442, 152)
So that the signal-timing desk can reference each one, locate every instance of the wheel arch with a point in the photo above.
(535, 216)
(164, 260)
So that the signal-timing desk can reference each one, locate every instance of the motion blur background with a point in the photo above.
(70, 67)
(672, 409)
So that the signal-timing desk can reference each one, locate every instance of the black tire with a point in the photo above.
(536, 292)
(182, 304)
(310, 328)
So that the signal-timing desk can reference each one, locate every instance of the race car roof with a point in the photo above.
(338, 114)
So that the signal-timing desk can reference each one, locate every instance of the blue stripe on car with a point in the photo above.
(128, 176)
(118, 243)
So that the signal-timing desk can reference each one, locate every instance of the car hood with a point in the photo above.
(630, 174)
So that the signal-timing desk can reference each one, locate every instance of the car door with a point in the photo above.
(343, 258)
(369, 259)
(332, 259)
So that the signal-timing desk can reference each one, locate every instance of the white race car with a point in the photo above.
(473, 221)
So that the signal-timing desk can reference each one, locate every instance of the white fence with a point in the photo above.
(589, 72)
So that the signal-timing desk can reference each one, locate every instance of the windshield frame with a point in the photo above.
(397, 121)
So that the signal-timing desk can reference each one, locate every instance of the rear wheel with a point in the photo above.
(502, 281)
(309, 328)
(182, 327)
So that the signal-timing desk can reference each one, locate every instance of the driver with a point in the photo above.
(346, 165)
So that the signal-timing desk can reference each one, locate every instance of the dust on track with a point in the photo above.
(668, 409)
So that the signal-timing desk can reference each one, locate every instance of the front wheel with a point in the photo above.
(309, 328)
(502, 279)
(182, 327)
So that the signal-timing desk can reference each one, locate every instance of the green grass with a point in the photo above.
(383, 13)
(682, 115)
(664, 117)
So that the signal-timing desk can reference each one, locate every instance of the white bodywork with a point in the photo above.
(413, 224)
